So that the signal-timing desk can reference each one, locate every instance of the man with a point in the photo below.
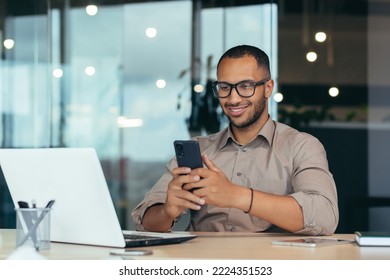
(258, 174)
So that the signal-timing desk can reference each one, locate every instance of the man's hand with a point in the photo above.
(178, 198)
(214, 186)
(160, 217)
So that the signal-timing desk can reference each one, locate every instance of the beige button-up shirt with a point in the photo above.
(280, 160)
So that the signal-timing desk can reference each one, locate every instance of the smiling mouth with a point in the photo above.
(237, 110)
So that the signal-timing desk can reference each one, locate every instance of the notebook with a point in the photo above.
(83, 212)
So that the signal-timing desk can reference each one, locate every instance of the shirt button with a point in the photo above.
(244, 149)
(239, 173)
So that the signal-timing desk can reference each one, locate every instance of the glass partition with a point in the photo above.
(129, 77)
(118, 78)
(26, 103)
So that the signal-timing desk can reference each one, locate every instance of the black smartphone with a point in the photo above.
(188, 153)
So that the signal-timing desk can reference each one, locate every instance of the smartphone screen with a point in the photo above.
(188, 154)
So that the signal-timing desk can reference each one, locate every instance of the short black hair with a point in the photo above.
(246, 50)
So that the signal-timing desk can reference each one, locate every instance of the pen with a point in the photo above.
(34, 205)
(28, 219)
(32, 230)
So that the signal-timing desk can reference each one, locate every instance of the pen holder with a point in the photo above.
(33, 227)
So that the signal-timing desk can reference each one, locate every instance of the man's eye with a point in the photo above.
(245, 85)
(224, 87)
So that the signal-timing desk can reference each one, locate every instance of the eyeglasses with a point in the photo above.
(244, 88)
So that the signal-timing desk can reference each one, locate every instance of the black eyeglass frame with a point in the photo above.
(255, 84)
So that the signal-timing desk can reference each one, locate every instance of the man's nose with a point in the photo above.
(234, 96)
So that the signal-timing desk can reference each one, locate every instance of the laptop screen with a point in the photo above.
(83, 212)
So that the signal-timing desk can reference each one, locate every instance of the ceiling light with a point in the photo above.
(90, 70)
(199, 88)
(9, 43)
(124, 122)
(334, 91)
(91, 10)
(278, 97)
(58, 73)
(161, 83)
(320, 37)
(151, 32)
(311, 56)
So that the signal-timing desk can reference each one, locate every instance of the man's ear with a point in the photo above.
(269, 87)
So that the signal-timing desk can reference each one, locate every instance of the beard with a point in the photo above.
(254, 117)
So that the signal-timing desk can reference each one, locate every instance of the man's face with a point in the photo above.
(244, 112)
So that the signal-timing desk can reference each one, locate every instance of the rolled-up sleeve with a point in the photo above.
(314, 188)
(156, 195)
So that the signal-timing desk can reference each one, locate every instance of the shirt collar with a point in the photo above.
(266, 132)
(226, 136)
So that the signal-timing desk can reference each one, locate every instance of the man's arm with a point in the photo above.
(282, 211)
(156, 219)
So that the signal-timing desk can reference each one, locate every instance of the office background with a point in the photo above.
(129, 77)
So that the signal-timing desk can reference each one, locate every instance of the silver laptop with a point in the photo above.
(83, 212)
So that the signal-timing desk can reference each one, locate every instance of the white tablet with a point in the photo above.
(312, 242)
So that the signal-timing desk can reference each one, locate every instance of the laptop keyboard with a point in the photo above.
(139, 237)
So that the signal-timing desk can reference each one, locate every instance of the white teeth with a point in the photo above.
(236, 109)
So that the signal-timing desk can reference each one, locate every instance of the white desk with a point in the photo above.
(214, 246)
